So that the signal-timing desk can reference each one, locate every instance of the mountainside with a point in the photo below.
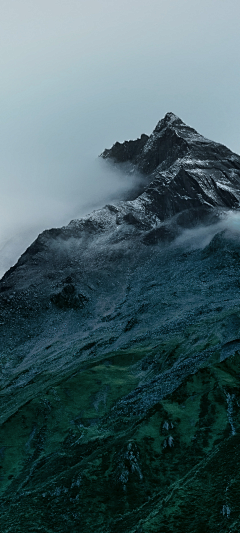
(120, 339)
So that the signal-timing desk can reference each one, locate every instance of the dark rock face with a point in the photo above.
(127, 151)
(187, 170)
(69, 298)
(119, 355)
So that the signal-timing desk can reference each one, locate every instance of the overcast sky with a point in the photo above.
(77, 75)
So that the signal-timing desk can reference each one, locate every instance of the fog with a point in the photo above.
(76, 76)
(54, 201)
(201, 236)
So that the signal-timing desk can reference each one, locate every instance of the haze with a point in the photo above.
(78, 75)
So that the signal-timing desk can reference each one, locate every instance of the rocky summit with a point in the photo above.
(120, 354)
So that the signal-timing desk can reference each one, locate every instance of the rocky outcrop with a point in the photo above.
(68, 297)
(127, 151)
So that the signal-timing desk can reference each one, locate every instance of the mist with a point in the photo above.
(78, 76)
(199, 237)
(54, 200)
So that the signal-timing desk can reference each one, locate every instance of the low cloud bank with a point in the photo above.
(55, 200)
(201, 236)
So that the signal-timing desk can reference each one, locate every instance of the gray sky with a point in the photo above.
(77, 75)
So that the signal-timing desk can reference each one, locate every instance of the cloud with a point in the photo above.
(202, 235)
(54, 202)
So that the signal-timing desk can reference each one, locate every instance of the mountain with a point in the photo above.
(120, 339)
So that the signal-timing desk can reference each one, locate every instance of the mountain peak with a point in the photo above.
(169, 140)
(172, 123)
(169, 119)
(183, 168)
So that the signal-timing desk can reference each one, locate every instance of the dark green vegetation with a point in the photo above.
(136, 429)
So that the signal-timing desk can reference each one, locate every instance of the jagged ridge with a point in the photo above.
(186, 170)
